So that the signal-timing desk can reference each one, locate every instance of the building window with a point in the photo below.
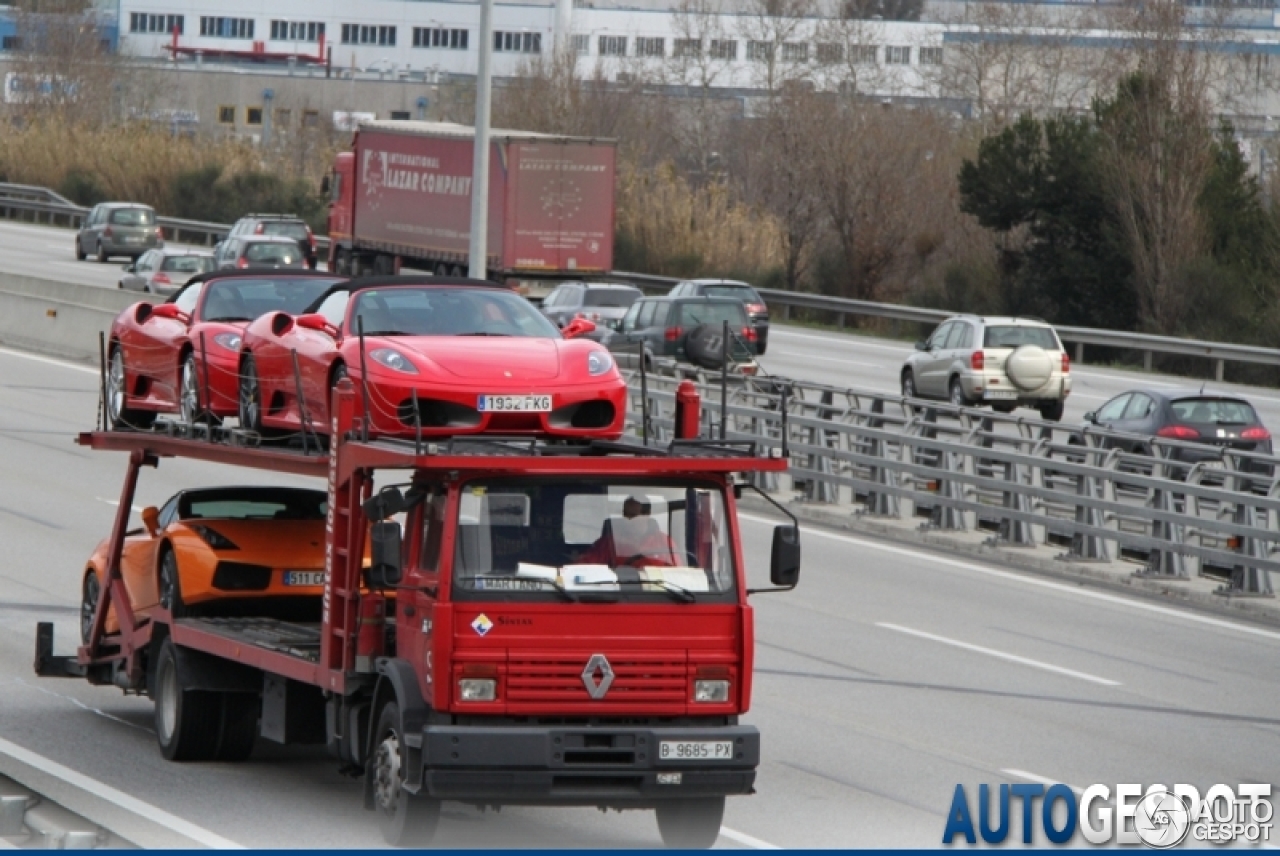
(897, 55)
(931, 56)
(145, 22)
(530, 43)
(283, 119)
(581, 44)
(651, 46)
(440, 37)
(365, 34)
(830, 53)
(759, 51)
(613, 46)
(253, 115)
(311, 118)
(11, 43)
(297, 31)
(686, 47)
(795, 52)
(864, 54)
(226, 115)
(226, 28)
(724, 49)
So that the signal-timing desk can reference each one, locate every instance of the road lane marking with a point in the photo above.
(82, 705)
(144, 810)
(1041, 780)
(1030, 580)
(839, 360)
(48, 360)
(1000, 655)
(135, 509)
(748, 840)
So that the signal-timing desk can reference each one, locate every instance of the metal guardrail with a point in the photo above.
(44, 205)
(1027, 481)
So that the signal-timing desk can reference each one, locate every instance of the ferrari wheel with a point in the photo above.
(250, 397)
(189, 391)
(171, 585)
(90, 594)
(118, 413)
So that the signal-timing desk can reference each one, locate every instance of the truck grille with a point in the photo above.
(638, 678)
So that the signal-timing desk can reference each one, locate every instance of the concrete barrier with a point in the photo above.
(58, 318)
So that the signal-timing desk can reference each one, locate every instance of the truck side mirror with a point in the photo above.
(784, 561)
(385, 568)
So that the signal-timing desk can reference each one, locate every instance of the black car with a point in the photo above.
(1195, 416)
(740, 291)
(282, 225)
(601, 302)
(690, 329)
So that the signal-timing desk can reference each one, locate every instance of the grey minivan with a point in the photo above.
(118, 229)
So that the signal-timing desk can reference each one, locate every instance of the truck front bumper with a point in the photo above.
(598, 765)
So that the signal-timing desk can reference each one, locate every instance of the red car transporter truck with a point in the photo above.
(550, 625)
(403, 195)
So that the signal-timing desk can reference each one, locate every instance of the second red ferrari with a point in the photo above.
(442, 356)
(182, 356)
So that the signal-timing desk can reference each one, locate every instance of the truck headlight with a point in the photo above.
(711, 692)
(477, 689)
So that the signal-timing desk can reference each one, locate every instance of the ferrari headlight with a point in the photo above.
(393, 359)
(711, 692)
(599, 362)
(213, 538)
(230, 341)
(477, 689)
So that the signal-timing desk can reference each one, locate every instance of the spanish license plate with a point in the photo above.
(695, 750)
(304, 578)
(514, 404)
(994, 394)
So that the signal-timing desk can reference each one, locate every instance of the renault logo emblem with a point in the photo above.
(597, 677)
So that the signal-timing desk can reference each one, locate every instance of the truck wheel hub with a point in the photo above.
(386, 782)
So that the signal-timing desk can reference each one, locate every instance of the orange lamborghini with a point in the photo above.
(219, 551)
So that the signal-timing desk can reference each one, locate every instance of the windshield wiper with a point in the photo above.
(677, 592)
(386, 333)
(227, 320)
(559, 587)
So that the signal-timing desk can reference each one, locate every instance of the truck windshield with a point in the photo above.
(570, 539)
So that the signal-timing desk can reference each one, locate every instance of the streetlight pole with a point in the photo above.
(480, 166)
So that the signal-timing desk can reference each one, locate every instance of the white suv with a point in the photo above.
(1004, 362)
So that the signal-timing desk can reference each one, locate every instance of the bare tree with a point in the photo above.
(778, 36)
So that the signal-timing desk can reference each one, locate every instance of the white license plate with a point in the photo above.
(999, 393)
(304, 578)
(695, 750)
(514, 404)
(1214, 465)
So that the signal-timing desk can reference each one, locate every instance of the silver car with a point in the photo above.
(118, 229)
(259, 251)
(165, 271)
(1004, 362)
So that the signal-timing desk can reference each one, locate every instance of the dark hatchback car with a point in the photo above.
(1194, 416)
(603, 303)
(686, 328)
(259, 251)
(750, 299)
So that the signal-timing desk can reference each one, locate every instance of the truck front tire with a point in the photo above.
(690, 824)
(406, 820)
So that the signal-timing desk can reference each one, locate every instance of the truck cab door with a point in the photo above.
(418, 592)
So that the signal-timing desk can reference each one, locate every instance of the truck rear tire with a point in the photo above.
(406, 820)
(690, 824)
(187, 721)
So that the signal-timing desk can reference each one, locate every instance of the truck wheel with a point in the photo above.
(691, 824)
(407, 820)
(238, 730)
(187, 721)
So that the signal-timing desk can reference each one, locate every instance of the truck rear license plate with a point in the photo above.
(514, 404)
(304, 578)
(695, 750)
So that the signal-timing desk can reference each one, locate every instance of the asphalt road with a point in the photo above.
(889, 676)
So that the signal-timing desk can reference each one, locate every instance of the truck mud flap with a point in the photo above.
(48, 664)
